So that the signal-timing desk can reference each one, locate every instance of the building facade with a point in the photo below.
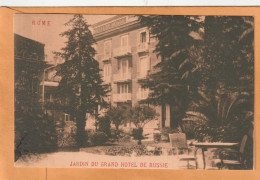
(28, 69)
(125, 51)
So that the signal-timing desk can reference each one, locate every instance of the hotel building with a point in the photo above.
(125, 51)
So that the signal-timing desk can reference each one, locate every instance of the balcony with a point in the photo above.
(143, 47)
(122, 77)
(122, 97)
(105, 57)
(49, 83)
(122, 52)
(142, 76)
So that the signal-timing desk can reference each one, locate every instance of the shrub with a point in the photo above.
(35, 133)
(138, 150)
(118, 135)
(103, 124)
(138, 134)
(66, 135)
(125, 139)
(157, 136)
(139, 116)
(98, 138)
(117, 115)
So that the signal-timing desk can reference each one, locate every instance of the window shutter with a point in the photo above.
(118, 89)
(147, 36)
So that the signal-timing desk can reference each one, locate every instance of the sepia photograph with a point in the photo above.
(134, 91)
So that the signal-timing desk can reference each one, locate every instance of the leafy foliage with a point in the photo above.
(224, 102)
(34, 131)
(206, 70)
(80, 90)
(138, 134)
(171, 79)
(141, 115)
(98, 138)
(138, 150)
(117, 115)
(103, 124)
(228, 53)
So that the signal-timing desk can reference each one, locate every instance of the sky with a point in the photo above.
(26, 25)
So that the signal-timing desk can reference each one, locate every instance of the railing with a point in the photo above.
(123, 76)
(122, 97)
(143, 47)
(122, 51)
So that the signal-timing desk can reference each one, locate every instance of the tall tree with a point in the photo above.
(81, 86)
(226, 76)
(171, 81)
(227, 51)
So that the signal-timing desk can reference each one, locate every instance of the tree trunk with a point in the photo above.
(81, 136)
(139, 142)
(117, 131)
(163, 115)
(163, 106)
(173, 116)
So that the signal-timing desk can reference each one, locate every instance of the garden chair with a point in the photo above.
(234, 163)
(179, 142)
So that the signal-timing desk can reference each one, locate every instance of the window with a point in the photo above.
(107, 48)
(143, 37)
(124, 88)
(124, 41)
(107, 72)
(143, 92)
(144, 66)
(123, 67)
(67, 117)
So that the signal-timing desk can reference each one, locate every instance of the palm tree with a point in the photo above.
(218, 115)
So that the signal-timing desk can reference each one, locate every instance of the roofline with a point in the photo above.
(107, 20)
(29, 39)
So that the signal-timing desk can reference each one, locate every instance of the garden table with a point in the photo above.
(205, 145)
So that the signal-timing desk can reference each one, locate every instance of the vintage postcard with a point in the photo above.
(134, 91)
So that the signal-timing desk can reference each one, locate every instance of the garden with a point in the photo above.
(205, 77)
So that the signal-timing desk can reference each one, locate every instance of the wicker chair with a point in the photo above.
(179, 142)
(236, 163)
